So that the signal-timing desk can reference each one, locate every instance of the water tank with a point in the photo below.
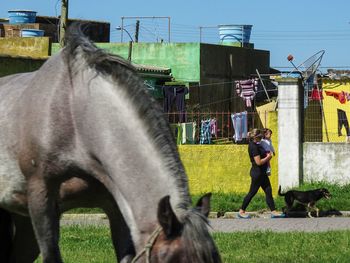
(21, 16)
(235, 33)
(32, 32)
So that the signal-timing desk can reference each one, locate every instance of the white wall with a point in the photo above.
(329, 162)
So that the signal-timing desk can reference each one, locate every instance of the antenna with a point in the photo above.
(309, 67)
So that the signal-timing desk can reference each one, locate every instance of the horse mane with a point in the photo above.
(77, 47)
(196, 238)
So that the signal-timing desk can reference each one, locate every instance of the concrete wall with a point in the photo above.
(225, 62)
(327, 162)
(220, 66)
(35, 47)
(289, 133)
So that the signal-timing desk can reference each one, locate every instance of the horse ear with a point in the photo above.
(167, 218)
(203, 204)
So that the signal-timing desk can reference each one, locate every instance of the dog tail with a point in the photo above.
(279, 192)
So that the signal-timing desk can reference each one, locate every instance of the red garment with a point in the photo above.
(341, 96)
(316, 94)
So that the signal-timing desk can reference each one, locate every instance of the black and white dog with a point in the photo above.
(306, 198)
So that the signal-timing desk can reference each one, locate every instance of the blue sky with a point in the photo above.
(283, 27)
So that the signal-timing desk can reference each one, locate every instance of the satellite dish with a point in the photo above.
(309, 67)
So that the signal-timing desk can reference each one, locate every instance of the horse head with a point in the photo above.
(186, 241)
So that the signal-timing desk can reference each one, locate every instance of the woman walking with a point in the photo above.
(258, 173)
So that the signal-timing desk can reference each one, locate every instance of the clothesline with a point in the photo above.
(227, 99)
(202, 85)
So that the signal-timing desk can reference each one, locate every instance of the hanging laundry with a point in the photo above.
(176, 130)
(175, 94)
(316, 93)
(205, 137)
(343, 121)
(247, 89)
(188, 132)
(184, 133)
(240, 125)
(342, 96)
(213, 128)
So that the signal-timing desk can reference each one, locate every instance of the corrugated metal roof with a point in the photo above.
(152, 69)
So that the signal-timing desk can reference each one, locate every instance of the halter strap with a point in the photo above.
(147, 248)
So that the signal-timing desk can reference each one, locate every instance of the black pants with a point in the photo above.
(343, 120)
(258, 181)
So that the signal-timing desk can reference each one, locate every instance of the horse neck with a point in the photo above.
(136, 170)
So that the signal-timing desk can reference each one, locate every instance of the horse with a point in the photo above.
(86, 115)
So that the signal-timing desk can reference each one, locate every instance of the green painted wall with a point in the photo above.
(182, 58)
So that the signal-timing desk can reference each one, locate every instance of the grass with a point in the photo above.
(85, 211)
(231, 202)
(92, 244)
(89, 244)
(295, 247)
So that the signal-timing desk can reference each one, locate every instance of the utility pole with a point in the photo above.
(63, 21)
(137, 31)
(130, 50)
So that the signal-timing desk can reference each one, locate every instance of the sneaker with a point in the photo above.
(243, 215)
(277, 215)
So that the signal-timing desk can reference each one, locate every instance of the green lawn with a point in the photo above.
(284, 247)
(86, 244)
(93, 244)
(231, 202)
